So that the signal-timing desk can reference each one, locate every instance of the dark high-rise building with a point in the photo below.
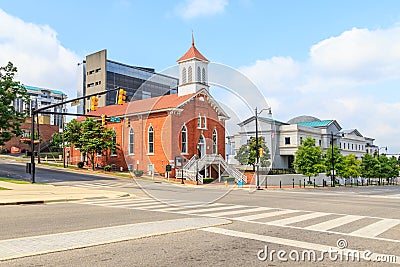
(99, 74)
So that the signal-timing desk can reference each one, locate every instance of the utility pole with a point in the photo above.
(32, 167)
(62, 135)
(42, 110)
(38, 132)
(333, 164)
(257, 154)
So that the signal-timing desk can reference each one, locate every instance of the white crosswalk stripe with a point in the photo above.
(222, 214)
(324, 226)
(101, 185)
(264, 215)
(299, 218)
(377, 228)
(274, 215)
(213, 209)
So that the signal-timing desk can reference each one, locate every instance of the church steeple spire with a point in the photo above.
(193, 53)
(193, 71)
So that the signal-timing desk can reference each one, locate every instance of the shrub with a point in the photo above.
(80, 164)
(138, 173)
(107, 168)
(208, 180)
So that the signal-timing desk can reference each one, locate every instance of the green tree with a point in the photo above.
(247, 154)
(394, 167)
(351, 167)
(90, 137)
(369, 166)
(337, 160)
(72, 133)
(56, 142)
(10, 90)
(308, 159)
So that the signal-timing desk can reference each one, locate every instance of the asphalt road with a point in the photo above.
(365, 218)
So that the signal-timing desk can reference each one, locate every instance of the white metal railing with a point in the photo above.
(191, 175)
(194, 165)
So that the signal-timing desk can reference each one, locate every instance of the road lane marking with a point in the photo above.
(299, 218)
(334, 223)
(377, 228)
(264, 215)
(213, 209)
(290, 242)
(35, 245)
(222, 214)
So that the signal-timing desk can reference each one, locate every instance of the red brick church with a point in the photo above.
(185, 130)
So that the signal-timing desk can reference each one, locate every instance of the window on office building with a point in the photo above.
(287, 140)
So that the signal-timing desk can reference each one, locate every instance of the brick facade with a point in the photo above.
(46, 132)
(167, 127)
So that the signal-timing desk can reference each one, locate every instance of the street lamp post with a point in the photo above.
(197, 164)
(257, 148)
(257, 155)
(333, 164)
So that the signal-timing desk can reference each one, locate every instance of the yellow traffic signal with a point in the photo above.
(121, 96)
(260, 152)
(103, 119)
(94, 103)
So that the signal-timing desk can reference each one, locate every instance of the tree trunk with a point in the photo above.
(92, 160)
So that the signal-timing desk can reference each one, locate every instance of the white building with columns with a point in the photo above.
(284, 138)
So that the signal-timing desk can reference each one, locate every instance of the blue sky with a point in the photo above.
(330, 59)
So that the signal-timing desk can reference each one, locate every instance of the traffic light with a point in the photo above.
(121, 96)
(94, 103)
(103, 119)
(260, 152)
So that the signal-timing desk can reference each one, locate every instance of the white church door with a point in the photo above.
(201, 146)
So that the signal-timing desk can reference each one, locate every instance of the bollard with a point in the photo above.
(280, 184)
(357, 181)
(362, 182)
(293, 182)
(345, 182)
(323, 182)
(304, 185)
(314, 183)
(300, 183)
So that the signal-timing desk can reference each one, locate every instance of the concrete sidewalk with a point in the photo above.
(45, 193)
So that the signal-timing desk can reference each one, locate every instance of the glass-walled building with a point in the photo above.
(99, 74)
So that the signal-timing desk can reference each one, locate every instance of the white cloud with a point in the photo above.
(351, 77)
(195, 8)
(359, 54)
(37, 53)
(275, 74)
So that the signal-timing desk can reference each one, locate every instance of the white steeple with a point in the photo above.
(193, 71)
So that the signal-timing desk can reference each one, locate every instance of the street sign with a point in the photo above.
(115, 119)
(168, 168)
(75, 103)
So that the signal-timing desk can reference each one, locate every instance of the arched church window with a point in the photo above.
(183, 75)
(190, 74)
(198, 78)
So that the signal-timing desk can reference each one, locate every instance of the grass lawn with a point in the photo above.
(13, 181)
(2, 188)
